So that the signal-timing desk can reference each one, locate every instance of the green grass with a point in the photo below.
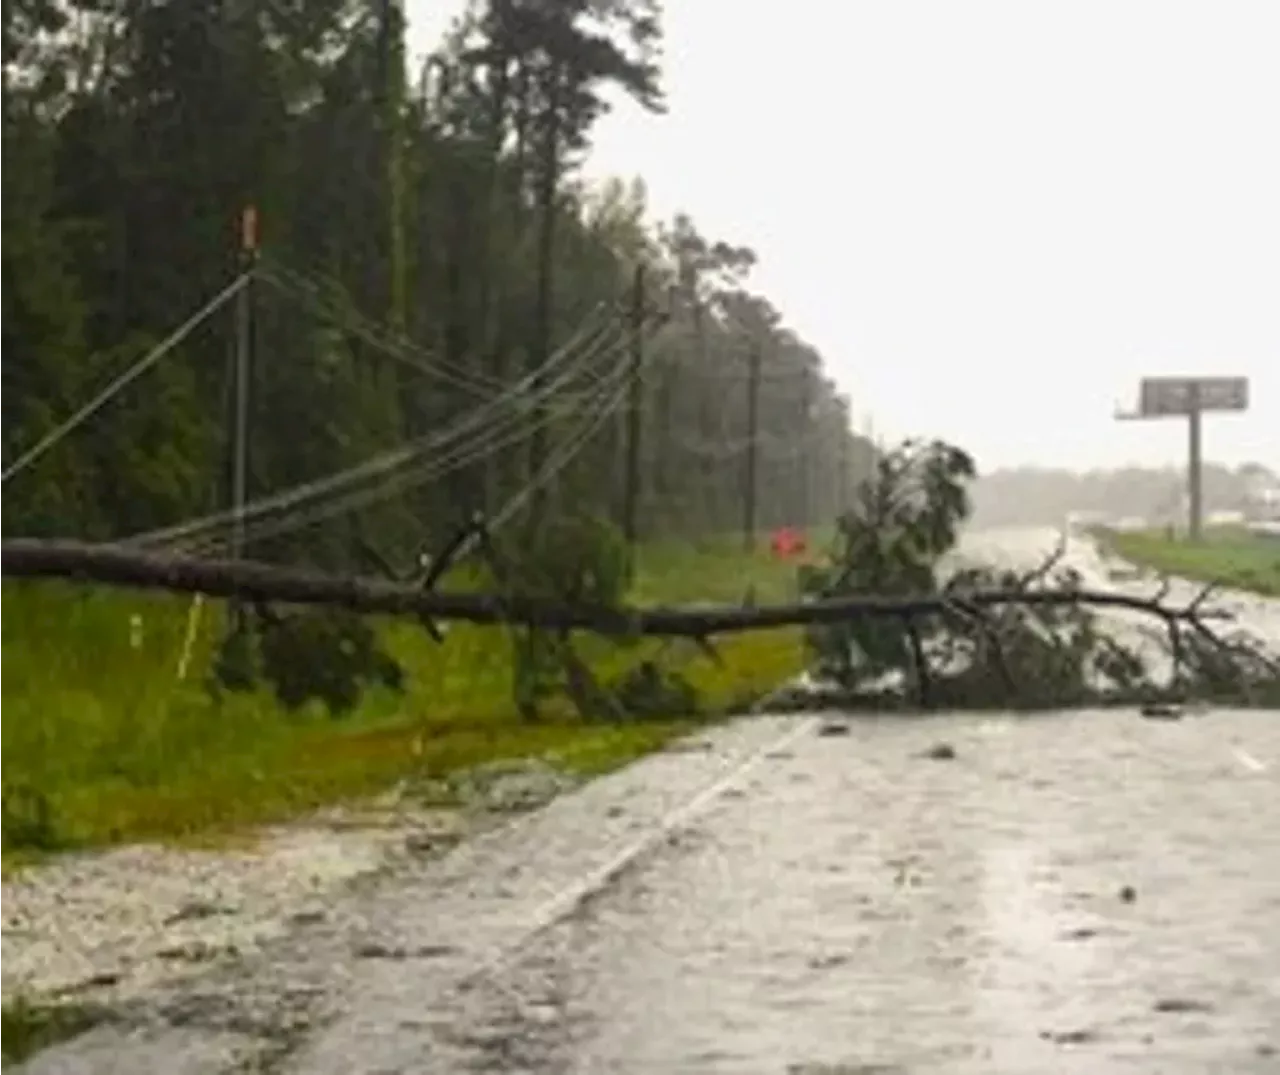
(1230, 555)
(103, 743)
(27, 1027)
(717, 571)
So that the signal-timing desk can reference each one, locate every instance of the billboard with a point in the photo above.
(1160, 396)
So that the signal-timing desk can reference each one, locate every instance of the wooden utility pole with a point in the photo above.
(635, 396)
(5, 36)
(239, 440)
(749, 476)
(709, 517)
(391, 99)
(805, 467)
(845, 475)
(243, 373)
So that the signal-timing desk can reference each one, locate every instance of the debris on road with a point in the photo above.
(510, 786)
(1082, 1036)
(1083, 933)
(687, 746)
(1181, 1006)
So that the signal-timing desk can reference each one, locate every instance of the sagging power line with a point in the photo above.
(503, 416)
(478, 429)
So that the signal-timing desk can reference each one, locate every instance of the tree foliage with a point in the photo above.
(427, 242)
(898, 540)
(428, 249)
(904, 520)
(576, 559)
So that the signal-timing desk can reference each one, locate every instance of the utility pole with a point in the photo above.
(710, 519)
(390, 94)
(805, 476)
(842, 430)
(845, 474)
(5, 36)
(749, 477)
(239, 446)
(635, 393)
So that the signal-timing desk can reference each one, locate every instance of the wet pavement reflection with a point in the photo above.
(1084, 892)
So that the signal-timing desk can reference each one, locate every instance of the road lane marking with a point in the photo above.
(571, 896)
(1249, 761)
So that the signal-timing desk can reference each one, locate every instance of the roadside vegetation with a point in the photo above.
(110, 735)
(1232, 556)
(27, 1027)
(443, 318)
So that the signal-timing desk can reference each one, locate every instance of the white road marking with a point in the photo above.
(561, 904)
(1249, 761)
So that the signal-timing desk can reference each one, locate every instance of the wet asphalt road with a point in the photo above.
(1086, 892)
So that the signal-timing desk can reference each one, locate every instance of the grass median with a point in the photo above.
(110, 735)
(1230, 555)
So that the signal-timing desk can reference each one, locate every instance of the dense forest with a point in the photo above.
(430, 310)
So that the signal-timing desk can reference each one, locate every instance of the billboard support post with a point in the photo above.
(1195, 467)
(1191, 398)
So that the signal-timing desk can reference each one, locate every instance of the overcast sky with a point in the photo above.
(991, 216)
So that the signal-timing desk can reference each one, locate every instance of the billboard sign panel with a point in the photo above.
(1161, 396)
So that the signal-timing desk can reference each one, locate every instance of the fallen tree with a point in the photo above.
(255, 582)
(879, 608)
(1036, 638)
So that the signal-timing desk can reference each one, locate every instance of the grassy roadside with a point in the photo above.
(1230, 555)
(28, 1027)
(105, 744)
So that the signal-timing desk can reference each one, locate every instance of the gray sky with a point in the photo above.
(991, 216)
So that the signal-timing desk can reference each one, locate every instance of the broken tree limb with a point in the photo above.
(118, 566)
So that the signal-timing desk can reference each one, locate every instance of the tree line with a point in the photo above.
(1034, 495)
(430, 270)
